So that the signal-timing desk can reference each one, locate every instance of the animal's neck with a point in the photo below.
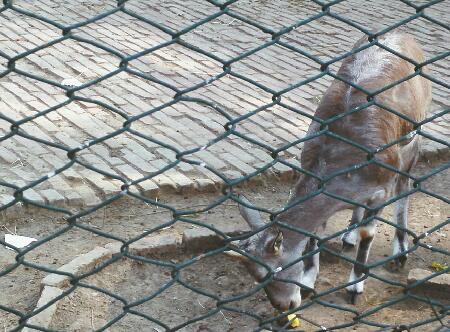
(309, 210)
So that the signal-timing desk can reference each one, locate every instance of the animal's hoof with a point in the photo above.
(353, 297)
(397, 264)
(305, 292)
(401, 261)
(347, 246)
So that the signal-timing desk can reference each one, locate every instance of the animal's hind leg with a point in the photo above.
(311, 267)
(350, 238)
(401, 219)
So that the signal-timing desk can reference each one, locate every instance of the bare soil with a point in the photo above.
(86, 309)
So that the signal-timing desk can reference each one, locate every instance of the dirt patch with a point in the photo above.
(86, 309)
(223, 278)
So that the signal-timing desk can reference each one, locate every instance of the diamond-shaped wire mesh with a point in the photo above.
(108, 103)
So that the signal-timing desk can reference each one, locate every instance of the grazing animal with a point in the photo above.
(334, 159)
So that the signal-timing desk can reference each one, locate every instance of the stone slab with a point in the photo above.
(438, 286)
(44, 318)
(79, 265)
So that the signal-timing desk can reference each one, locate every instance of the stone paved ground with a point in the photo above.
(183, 125)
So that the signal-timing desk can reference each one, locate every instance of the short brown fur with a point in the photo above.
(336, 163)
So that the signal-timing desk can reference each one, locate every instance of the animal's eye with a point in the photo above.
(259, 278)
(256, 272)
(260, 274)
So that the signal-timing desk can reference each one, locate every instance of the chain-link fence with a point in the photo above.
(239, 94)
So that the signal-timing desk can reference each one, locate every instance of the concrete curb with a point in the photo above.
(79, 265)
(45, 317)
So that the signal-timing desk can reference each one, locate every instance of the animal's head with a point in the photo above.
(270, 246)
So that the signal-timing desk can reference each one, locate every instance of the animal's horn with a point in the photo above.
(251, 216)
(236, 255)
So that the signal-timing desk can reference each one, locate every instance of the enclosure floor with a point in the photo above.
(85, 309)
(183, 125)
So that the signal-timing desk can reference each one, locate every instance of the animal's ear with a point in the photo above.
(251, 216)
(274, 246)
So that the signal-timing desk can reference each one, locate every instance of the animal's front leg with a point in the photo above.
(349, 239)
(311, 267)
(366, 235)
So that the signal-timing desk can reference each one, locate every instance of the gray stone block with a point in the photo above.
(44, 318)
(438, 286)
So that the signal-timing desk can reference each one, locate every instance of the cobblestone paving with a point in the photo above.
(182, 125)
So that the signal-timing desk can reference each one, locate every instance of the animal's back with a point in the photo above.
(375, 68)
(374, 126)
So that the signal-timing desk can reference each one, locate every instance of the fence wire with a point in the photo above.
(223, 9)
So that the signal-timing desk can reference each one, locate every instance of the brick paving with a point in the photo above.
(184, 125)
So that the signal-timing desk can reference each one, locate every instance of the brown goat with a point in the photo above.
(334, 159)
